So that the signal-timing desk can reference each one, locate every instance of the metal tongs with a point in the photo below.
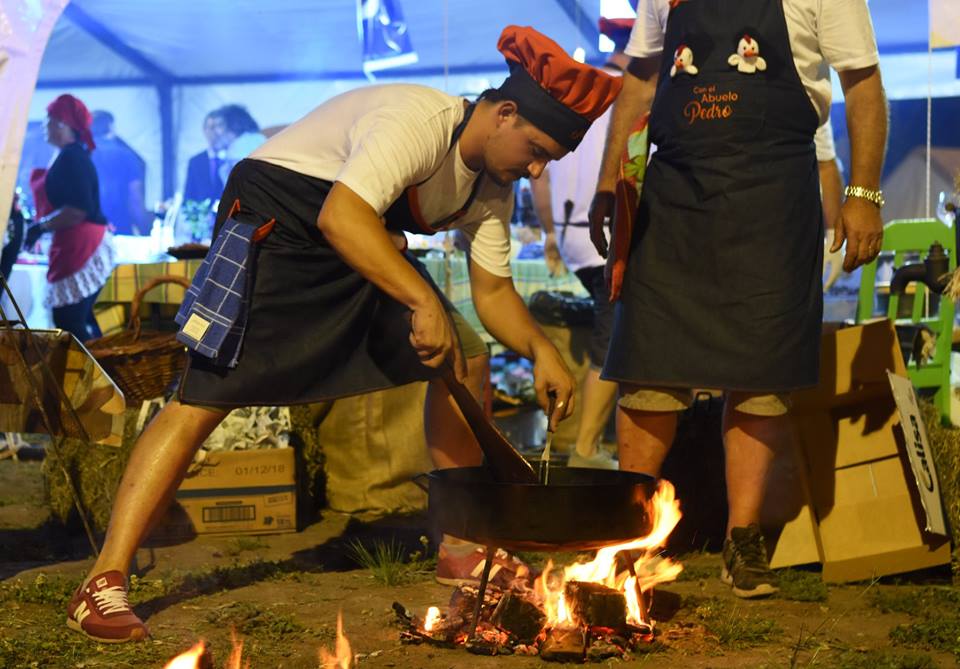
(543, 471)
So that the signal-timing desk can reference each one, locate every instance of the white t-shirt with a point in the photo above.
(837, 33)
(378, 140)
(574, 178)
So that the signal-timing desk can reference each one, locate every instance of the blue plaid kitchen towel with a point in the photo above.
(213, 314)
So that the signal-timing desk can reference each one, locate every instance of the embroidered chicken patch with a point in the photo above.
(683, 61)
(747, 58)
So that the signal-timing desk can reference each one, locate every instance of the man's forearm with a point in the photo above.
(634, 100)
(505, 316)
(866, 124)
(359, 237)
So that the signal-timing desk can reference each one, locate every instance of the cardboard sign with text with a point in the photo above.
(918, 450)
(854, 506)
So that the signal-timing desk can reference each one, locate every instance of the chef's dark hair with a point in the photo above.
(493, 95)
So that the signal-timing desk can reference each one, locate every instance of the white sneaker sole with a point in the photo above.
(75, 626)
(762, 590)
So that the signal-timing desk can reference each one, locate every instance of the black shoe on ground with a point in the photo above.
(745, 565)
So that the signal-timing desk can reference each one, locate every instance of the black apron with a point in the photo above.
(316, 329)
(722, 288)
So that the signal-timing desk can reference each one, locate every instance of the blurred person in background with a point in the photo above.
(563, 194)
(67, 198)
(241, 136)
(122, 174)
(203, 180)
(12, 238)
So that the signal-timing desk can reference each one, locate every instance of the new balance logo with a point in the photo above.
(81, 612)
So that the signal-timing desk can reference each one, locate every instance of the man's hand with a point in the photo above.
(552, 377)
(434, 339)
(551, 253)
(601, 211)
(860, 225)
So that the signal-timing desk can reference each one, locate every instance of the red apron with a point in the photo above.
(71, 247)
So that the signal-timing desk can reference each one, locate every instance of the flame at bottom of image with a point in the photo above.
(198, 657)
(584, 611)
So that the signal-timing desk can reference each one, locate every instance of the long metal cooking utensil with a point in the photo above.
(506, 463)
(543, 471)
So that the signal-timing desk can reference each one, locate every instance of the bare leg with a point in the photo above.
(157, 465)
(597, 399)
(644, 439)
(751, 444)
(449, 439)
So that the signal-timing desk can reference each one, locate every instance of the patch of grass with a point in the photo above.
(734, 629)
(933, 634)
(877, 659)
(538, 560)
(801, 586)
(241, 544)
(42, 589)
(45, 642)
(697, 573)
(251, 621)
(925, 602)
(388, 564)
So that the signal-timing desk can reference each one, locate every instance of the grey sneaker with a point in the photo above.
(745, 565)
(600, 460)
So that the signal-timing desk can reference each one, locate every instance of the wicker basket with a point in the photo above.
(143, 364)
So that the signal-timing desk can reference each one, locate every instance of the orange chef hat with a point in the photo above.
(553, 91)
(618, 30)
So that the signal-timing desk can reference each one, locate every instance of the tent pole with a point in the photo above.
(168, 149)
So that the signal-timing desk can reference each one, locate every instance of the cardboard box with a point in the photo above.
(854, 504)
(236, 492)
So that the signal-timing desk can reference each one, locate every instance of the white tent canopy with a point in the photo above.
(160, 65)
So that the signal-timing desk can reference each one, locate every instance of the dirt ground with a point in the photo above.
(282, 594)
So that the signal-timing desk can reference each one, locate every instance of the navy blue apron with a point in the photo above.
(722, 288)
(316, 329)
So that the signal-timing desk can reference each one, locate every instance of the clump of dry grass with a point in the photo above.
(945, 446)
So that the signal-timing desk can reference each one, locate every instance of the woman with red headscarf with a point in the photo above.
(67, 196)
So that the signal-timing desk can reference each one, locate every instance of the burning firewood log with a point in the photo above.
(464, 598)
(519, 615)
(596, 605)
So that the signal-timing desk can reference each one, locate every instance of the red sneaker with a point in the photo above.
(101, 611)
(453, 569)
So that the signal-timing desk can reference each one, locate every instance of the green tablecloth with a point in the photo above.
(449, 271)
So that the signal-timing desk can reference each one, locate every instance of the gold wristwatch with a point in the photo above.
(875, 196)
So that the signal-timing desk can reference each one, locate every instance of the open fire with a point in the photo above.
(584, 611)
(592, 610)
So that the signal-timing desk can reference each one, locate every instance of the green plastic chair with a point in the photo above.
(912, 236)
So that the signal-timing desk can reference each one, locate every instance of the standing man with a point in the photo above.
(723, 285)
(203, 180)
(562, 197)
(334, 306)
(122, 174)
